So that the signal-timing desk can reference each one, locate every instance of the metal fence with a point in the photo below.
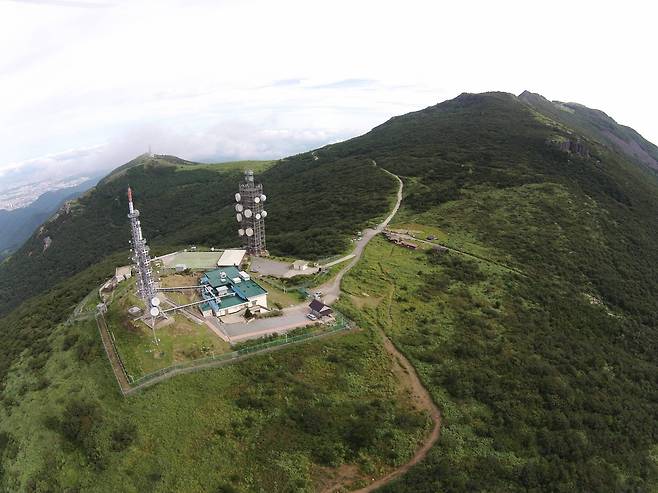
(341, 324)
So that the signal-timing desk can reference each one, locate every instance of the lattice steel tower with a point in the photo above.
(251, 215)
(141, 259)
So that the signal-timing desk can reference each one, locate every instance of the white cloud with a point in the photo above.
(213, 79)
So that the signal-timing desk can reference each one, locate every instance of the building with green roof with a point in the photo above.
(228, 290)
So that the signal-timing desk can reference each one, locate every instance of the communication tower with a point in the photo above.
(251, 215)
(142, 263)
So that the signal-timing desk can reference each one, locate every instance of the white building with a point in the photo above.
(300, 265)
(231, 258)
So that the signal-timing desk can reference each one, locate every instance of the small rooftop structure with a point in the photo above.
(135, 311)
(231, 257)
(300, 265)
(398, 240)
(319, 309)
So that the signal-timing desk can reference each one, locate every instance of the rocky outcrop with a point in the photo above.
(576, 147)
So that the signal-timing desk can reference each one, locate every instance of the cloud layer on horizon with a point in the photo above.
(219, 80)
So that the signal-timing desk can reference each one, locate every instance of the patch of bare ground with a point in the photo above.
(364, 301)
(337, 480)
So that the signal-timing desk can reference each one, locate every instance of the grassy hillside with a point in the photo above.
(547, 378)
(536, 334)
(272, 423)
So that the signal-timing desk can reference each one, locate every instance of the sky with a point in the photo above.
(85, 86)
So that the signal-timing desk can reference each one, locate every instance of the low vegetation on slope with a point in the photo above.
(524, 375)
(546, 376)
(538, 340)
(276, 423)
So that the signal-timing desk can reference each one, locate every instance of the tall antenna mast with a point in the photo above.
(142, 263)
(251, 215)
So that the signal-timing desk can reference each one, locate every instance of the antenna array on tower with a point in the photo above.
(142, 261)
(251, 215)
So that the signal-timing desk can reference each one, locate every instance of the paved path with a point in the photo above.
(331, 289)
(339, 261)
(292, 317)
(408, 374)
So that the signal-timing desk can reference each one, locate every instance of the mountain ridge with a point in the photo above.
(598, 125)
(534, 333)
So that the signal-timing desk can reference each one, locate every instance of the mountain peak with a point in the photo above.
(533, 98)
(596, 125)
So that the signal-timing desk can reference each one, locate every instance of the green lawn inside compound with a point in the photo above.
(255, 166)
(179, 341)
(276, 297)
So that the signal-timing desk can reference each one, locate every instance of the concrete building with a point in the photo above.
(228, 290)
(231, 258)
(300, 265)
(123, 273)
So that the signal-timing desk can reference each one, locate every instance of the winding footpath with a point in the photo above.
(426, 401)
(331, 289)
(405, 369)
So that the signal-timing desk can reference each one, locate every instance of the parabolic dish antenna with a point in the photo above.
(238, 216)
(247, 213)
(257, 200)
(263, 197)
(250, 232)
(155, 301)
(257, 215)
(264, 214)
(155, 311)
(238, 207)
(241, 232)
(237, 197)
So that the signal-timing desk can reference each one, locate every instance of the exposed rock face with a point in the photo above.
(596, 126)
(47, 242)
(575, 148)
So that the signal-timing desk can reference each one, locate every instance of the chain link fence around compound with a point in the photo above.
(341, 324)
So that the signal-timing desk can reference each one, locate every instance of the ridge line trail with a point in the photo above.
(331, 289)
(405, 370)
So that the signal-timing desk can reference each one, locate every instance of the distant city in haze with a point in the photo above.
(22, 196)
